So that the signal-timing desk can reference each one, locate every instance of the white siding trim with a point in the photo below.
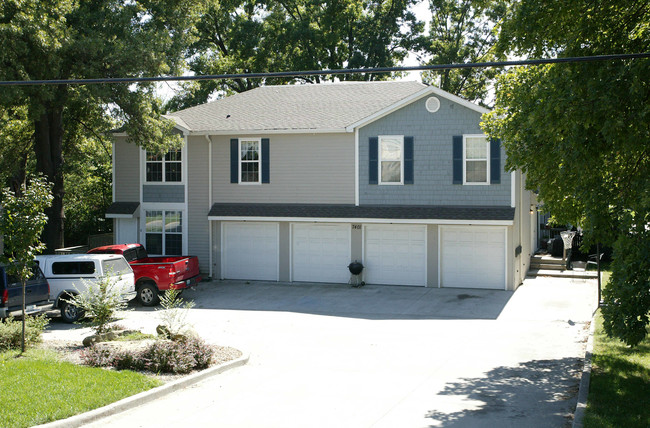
(165, 206)
(258, 140)
(356, 167)
(487, 161)
(207, 137)
(380, 160)
(184, 167)
(364, 220)
(113, 168)
(513, 189)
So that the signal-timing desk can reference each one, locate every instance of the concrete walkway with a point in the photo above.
(332, 356)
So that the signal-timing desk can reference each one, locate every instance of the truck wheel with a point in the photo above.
(148, 294)
(70, 313)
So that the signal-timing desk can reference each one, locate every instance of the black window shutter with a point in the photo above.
(458, 159)
(495, 161)
(408, 160)
(234, 160)
(373, 162)
(265, 161)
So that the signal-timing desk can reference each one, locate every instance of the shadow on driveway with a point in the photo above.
(369, 302)
(534, 393)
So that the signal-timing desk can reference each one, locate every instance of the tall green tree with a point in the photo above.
(463, 31)
(581, 133)
(66, 39)
(22, 220)
(242, 36)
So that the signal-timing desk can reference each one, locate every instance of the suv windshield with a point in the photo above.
(116, 266)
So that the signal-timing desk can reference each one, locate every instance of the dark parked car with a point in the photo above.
(37, 294)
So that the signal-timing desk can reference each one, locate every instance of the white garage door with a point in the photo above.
(395, 254)
(321, 252)
(473, 257)
(250, 251)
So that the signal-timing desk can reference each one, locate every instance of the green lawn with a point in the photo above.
(619, 390)
(38, 388)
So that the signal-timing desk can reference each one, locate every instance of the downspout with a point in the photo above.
(356, 167)
(209, 200)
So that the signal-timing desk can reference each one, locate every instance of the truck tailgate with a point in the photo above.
(186, 268)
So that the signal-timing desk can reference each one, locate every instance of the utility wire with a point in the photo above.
(591, 58)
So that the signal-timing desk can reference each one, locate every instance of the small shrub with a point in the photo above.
(174, 313)
(96, 356)
(100, 301)
(11, 330)
(163, 356)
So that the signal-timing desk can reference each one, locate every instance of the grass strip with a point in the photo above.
(38, 388)
(619, 390)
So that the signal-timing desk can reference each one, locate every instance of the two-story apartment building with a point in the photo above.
(292, 183)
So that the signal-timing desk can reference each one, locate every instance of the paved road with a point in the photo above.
(332, 356)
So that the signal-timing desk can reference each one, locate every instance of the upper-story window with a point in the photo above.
(250, 158)
(164, 168)
(391, 159)
(476, 156)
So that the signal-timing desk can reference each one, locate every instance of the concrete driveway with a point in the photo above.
(333, 356)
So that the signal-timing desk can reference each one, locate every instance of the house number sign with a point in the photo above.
(356, 227)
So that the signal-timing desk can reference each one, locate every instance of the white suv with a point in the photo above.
(68, 275)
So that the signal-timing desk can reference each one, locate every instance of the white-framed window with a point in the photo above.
(250, 160)
(164, 232)
(167, 168)
(391, 159)
(476, 159)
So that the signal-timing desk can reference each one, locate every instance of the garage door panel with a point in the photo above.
(320, 252)
(473, 257)
(395, 254)
(250, 251)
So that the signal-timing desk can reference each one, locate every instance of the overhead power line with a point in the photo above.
(327, 72)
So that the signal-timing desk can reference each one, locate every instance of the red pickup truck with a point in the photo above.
(154, 275)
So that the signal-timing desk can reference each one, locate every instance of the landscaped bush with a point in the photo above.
(11, 330)
(162, 356)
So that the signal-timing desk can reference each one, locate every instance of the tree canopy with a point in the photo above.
(581, 132)
(64, 39)
(463, 31)
(242, 36)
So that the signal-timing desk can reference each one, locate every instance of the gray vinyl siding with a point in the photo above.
(432, 134)
(304, 168)
(198, 228)
(173, 193)
(127, 171)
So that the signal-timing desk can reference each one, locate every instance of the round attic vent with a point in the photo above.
(433, 104)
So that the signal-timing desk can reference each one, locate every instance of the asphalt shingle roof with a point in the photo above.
(364, 212)
(122, 208)
(296, 107)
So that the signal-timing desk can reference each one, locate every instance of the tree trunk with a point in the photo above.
(22, 336)
(48, 145)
